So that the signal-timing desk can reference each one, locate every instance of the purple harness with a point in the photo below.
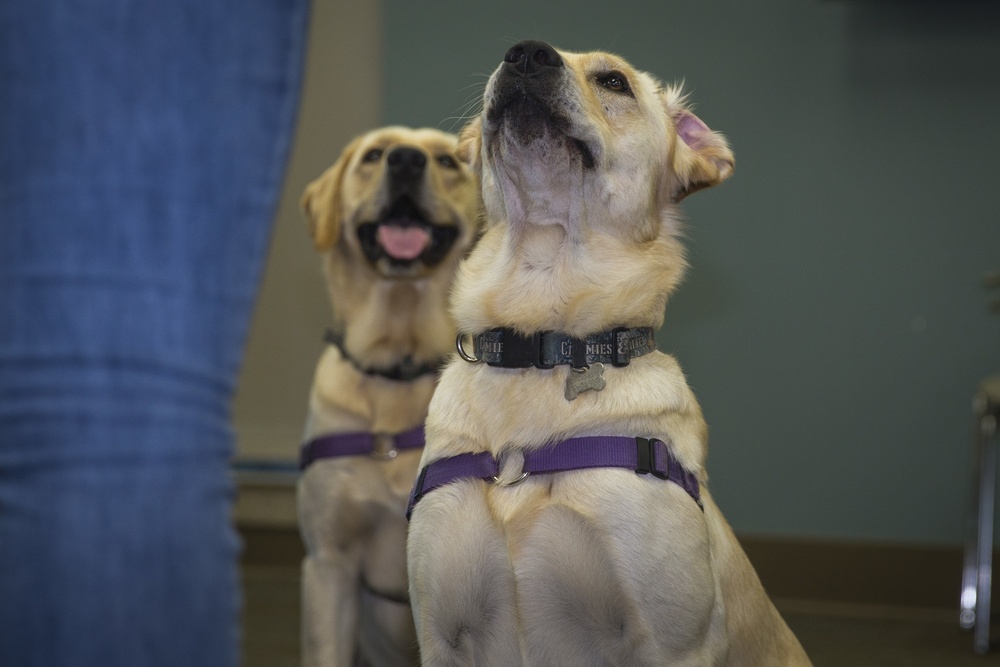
(643, 455)
(356, 444)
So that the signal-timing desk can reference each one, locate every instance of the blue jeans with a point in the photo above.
(142, 147)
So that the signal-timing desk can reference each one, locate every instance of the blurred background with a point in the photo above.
(834, 323)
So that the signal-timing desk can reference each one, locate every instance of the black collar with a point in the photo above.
(405, 371)
(508, 348)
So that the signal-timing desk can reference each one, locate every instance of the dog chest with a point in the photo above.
(592, 559)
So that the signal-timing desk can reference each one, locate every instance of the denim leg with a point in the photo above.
(142, 147)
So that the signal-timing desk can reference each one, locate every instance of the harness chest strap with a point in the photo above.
(356, 444)
(643, 455)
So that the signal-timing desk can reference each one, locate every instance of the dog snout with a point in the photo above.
(531, 58)
(406, 164)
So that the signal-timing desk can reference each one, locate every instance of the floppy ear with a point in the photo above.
(321, 201)
(702, 158)
(470, 141)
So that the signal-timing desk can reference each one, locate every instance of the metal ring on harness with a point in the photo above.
(461, 351)
(524, 476)
(500, 466)
(384, 456)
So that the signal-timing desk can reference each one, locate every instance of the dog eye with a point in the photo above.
(374, 155)
(615, 81)
(447, 161)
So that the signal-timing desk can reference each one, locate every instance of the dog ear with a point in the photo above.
(470, 141)
(702, 158)
(321, 201)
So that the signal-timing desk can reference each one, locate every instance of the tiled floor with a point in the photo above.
(833, 635)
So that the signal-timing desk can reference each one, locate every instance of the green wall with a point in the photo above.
(833, 324)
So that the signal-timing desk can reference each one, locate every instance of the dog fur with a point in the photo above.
(351, 508)
(582, 169)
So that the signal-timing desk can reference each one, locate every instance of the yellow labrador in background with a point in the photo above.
(391, 218)
(562, 515)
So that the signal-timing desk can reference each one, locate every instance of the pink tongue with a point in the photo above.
(403, 242)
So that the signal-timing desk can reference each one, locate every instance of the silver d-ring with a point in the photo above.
(524, 476)
(461, 351)
(384, 456)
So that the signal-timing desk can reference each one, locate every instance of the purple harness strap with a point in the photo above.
(643, 455)
(354, 444)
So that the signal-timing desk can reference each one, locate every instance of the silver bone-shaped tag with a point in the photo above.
(584, 379)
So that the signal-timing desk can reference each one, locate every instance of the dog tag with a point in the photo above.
(580, 380)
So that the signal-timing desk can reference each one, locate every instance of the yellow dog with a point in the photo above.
(391, 219)
(562, 515)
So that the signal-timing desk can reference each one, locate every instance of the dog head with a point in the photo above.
(392, 217)
(397, 199)
(583, 160)
(554, 118)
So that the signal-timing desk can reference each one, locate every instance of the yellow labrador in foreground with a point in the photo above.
(391, 218)
(562, 516)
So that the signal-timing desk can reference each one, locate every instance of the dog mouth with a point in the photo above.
(402, 241)
(527, 117)
(404, 236)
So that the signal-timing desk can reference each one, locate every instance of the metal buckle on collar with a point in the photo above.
(646, 458)
(461, 350)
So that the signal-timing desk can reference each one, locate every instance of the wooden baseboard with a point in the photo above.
(903, 575)
(267, 546)
(883, 574)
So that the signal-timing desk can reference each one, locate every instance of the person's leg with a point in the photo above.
(142, 147)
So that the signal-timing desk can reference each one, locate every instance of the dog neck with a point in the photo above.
(405, 371)
(533, 193)
(540, 278)
(343, 399)
(385, 324)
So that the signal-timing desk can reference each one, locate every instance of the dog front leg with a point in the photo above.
(462, 586)
(330, 591)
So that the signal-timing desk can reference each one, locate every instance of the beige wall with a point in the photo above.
(341, 98)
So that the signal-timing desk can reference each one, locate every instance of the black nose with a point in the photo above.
(532, 57)
(406, 163)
